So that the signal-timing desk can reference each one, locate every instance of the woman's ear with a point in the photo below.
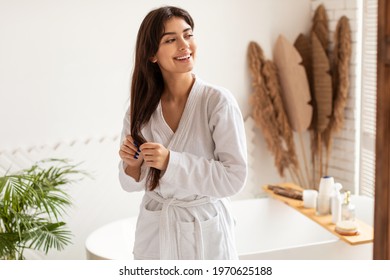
(153, 59)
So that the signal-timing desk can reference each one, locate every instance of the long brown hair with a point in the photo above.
(147, 82)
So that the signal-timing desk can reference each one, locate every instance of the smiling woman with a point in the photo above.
(183, 143)
(175, 55)
(176, 43)
(65, 76)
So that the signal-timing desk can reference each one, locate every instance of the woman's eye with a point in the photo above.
(189, 36)
(170, 41)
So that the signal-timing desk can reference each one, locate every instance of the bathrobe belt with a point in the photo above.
(165, 236)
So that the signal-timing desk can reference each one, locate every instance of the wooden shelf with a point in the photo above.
(366, 232)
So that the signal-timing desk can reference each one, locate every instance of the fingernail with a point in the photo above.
(136, 156)
(135, 143)
(138, 150)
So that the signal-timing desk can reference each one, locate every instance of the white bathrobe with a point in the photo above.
(188, 215)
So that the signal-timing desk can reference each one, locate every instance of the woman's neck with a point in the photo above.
(177, 87)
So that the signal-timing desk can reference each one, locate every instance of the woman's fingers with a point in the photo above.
(129, 151)
(126, 149)
(155, 155)
(130, 143)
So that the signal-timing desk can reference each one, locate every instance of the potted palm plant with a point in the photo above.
(32, 203)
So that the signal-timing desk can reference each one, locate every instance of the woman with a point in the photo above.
(183, 142)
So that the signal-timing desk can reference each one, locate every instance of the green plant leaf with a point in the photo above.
(32, 203)
(50, 235)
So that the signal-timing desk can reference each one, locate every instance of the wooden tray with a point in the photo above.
(366, 232)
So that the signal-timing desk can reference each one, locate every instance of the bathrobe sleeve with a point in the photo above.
(225, 174)
(127, 182)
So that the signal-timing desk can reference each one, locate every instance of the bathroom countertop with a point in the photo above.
(366, 232)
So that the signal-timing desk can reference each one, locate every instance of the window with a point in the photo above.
(368, 98)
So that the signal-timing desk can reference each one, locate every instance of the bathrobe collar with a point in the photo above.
(169, 138)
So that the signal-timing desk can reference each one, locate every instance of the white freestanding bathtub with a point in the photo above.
(265, 229)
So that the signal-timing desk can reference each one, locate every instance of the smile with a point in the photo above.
(182, 58)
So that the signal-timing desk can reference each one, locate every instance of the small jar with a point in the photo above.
(310, 198)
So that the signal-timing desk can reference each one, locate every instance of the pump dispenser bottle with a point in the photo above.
(336, 203)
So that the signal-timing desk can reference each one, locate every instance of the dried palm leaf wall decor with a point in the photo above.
(320, 27)
(323, 94)
(302, 90)
(295, 90)
(303, 46)
(320, 34)
(341, 66)
(322, 82)
(269, 114)
(329, 99)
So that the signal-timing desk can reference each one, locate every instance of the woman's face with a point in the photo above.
(177, 49)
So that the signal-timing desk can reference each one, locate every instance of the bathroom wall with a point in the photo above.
(65, 70)
(65, 65)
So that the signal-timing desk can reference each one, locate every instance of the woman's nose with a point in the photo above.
(183, 44)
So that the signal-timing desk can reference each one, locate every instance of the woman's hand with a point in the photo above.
(130, 153)
(155, 155)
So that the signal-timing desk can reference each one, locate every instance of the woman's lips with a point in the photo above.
(183, 58)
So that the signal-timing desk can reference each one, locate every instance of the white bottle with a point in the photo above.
(324, 195)
(336, 203)
(326, 185)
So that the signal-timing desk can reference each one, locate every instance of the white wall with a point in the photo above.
(64, 78)
(65, 65)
